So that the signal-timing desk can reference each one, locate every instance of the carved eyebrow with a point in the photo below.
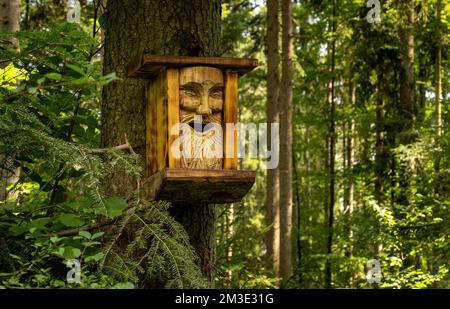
(216, 87)
(191, 86)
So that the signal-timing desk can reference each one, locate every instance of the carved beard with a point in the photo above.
(203, 151)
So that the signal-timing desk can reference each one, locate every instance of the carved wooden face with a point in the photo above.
(201, 94)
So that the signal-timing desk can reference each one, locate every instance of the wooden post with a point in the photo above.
(230, 113)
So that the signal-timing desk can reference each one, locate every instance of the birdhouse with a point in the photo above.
(191, 134)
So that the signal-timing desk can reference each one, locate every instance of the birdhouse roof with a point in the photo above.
(148, 66)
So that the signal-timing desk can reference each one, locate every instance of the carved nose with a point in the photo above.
(204, 109)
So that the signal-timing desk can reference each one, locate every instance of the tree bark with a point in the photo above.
(438, 82)
(160, 27)
(408, 110)
(331, 153)
(9, 22)
(286, 111)
(199, 222)
(10, 15)
(273, 184)
(381, 156)
(349, 154)
(229, 241)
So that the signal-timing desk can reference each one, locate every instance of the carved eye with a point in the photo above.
(189, 93)
(216, 94)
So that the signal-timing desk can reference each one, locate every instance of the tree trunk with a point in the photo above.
(273, 182)
(349, 154)
(229, 241)
(169, 27)
(9, 22)
(286, 111)
(297, 213)
(438, 82)
(331, 154)
(408, 109)
(9, 15)
(381, 158)
(199, 222)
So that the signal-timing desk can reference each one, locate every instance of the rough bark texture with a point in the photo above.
(286, 111)
(273, 184)
(198, 221)
(9, 15)
(408, 108)
(160, 27)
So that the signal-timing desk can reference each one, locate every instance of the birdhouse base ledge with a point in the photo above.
(199, 185)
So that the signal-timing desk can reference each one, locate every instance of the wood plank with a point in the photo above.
(149, 66)
(173, 112)
(230, 115)
(208, 175)
(161, 121)
(201, 186)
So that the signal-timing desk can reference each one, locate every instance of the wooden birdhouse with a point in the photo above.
(191, 152)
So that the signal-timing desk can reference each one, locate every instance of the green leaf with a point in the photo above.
(70, 220)
(104, 80)
(54, 76)
(70, 252)
(115, 206)
(97, 235)
(32, 90)
(76, 68)
(41, 80)
(96, 257)
(85, 234)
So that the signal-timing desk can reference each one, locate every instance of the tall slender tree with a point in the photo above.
(407, 96)
(331, 148)
(286, 111)
(9, 22)
(438, 79)
(273, 180)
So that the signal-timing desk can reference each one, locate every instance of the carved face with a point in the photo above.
(201, 94)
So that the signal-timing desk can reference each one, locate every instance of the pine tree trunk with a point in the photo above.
(438, 82)
(286, 111)
(273, 184)
(9, 22)
(381, 158)
(408, 110)
(331, 154)
(349, 154)
(9, 15)
(160, 27)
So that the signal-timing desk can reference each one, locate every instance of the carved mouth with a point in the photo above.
(198, 127)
